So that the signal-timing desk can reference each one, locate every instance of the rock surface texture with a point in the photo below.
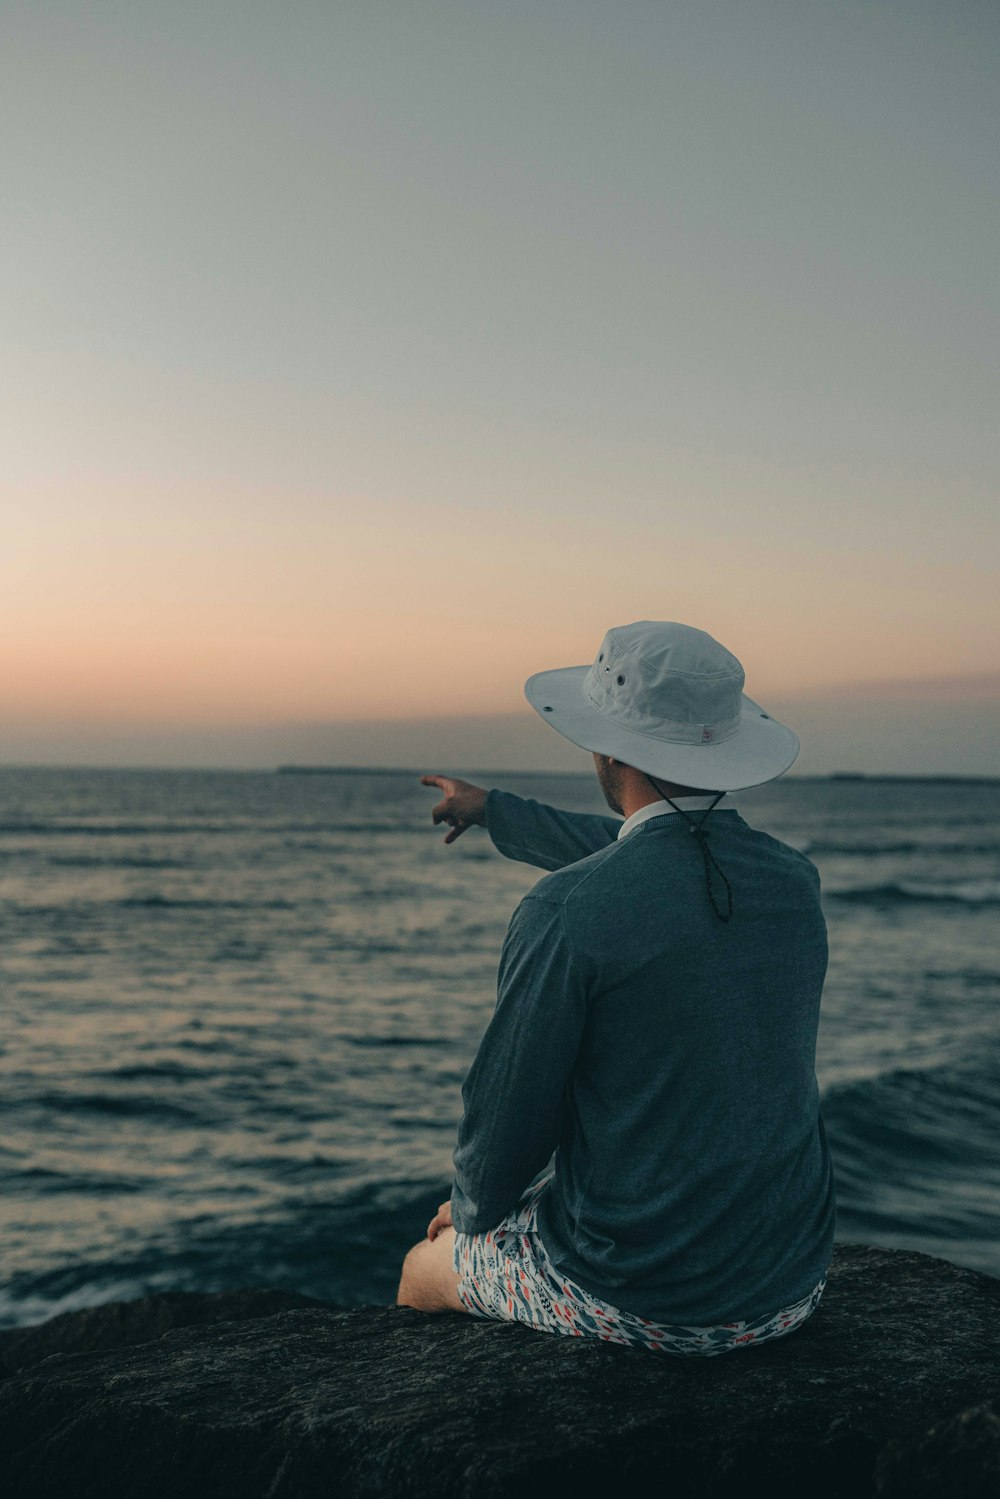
(892, 1389)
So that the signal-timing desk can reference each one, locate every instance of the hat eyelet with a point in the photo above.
(546, 710)
(621, 681)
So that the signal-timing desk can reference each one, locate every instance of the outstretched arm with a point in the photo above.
(521, 829)
(542, 835)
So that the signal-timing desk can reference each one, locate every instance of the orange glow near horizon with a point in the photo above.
(371, 616)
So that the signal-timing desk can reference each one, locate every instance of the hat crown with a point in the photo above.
(667, 679)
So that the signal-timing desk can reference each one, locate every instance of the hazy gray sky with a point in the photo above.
(361, 359)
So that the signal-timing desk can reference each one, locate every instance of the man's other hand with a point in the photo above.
(441, 1219)
(464, 805)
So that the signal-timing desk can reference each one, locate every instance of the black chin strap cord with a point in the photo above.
(700, 833)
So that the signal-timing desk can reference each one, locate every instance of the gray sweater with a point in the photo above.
(666, 1057)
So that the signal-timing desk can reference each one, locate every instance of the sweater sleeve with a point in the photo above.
(514, 1095)
(544, 836)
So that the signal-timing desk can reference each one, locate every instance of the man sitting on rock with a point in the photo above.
(655, 1028)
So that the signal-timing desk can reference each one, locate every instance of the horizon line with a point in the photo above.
(410, 770)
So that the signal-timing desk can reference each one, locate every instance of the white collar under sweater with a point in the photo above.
(661, 809)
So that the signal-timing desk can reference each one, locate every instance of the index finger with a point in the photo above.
(438, 781)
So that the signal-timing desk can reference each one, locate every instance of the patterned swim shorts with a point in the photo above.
(507, 1275)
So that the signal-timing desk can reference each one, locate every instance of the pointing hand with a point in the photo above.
(464, 805)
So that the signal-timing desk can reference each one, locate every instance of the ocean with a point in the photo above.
(238, 1008)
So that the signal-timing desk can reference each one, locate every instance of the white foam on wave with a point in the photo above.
(34, 1308)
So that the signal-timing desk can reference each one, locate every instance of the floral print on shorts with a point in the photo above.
(506, 1274)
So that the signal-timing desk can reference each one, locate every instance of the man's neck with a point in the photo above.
(640, 792)
(635, 801)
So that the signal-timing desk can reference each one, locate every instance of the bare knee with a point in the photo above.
(409, 1280)
(428, 1281)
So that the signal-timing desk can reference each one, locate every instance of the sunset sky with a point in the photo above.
(360, 360)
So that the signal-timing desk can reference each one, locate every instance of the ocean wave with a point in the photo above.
(877, 850)
(116, 1105)
(169, 1072)
(156, 902)
(946, 1089)
(115, 861)
(966, 893)
(379, 1041)
(86, 910)
(969, 978)
(346, 1247)
(915, 1159)
(74, 1183)
(71, 829)
(27, 1309)
(74, 829)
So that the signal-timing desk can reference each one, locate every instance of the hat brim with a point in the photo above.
(760, 750)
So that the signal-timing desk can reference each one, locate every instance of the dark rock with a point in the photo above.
(385, 1401)
(957, 1459)
(121, 1324)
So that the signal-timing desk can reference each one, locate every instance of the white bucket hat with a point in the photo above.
(668, 700)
